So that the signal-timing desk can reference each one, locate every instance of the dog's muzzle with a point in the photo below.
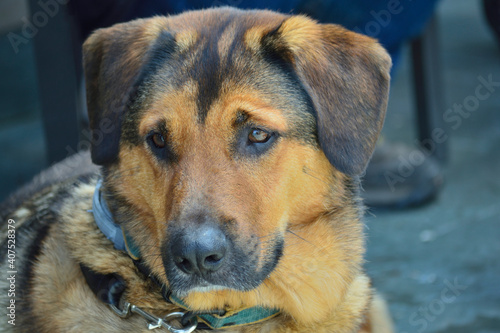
(201, 252)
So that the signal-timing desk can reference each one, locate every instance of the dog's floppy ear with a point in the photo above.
(113, 59)
(347, 77)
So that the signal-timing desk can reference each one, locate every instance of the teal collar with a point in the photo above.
(229, 319)
(123, 242)
(104, 220)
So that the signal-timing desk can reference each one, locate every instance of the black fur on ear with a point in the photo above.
(114, 60)
(347, 77)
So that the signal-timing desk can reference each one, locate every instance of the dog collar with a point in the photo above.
(104, 220)
(122, 241)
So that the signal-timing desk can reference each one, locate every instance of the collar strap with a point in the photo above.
(227, 319)
(110, 287)
(104, 220)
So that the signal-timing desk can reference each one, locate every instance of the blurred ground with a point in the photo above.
(438, 265)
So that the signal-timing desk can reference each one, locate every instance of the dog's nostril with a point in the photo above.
(185, 265)
(200, 262)
(213, 259)
(211, 262)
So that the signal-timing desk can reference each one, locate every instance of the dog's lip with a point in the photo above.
(201, 288)
(207, 288)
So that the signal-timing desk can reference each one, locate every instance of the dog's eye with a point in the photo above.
(258, 136)
(158, 140)
(255, 141)
(160, 146)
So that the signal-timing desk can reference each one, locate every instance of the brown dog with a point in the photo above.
(231, 144)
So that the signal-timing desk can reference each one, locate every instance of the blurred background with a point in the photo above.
(437, 262)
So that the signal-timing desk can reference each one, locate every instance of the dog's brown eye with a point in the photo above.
(258, 136)
(158, 140)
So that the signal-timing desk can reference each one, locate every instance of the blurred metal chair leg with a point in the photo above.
(429, 89)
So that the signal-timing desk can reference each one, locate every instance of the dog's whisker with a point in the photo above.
(253, 110)
(308, 171)
(300, 237)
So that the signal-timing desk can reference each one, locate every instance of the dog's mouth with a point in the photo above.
(207, 288)
(183, 287)
(207, 260)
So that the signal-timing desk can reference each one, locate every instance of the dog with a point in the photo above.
(221, 190)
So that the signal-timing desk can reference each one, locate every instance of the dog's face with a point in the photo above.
(224, 136)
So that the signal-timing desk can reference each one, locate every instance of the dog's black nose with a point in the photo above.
(201, 250)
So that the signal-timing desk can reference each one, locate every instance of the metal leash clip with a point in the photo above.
(156, 322)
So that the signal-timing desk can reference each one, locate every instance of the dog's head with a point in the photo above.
(229, 140)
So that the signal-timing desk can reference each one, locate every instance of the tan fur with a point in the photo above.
(186, 39)
(379, 316)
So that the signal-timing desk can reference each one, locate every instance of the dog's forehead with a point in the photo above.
(212, 48)
(201, 58)
(216, 21)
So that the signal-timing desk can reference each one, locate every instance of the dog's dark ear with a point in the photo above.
(347, 78)
(112, 60)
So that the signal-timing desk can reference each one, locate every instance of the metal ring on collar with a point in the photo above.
(178, 315)
(156, 322)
